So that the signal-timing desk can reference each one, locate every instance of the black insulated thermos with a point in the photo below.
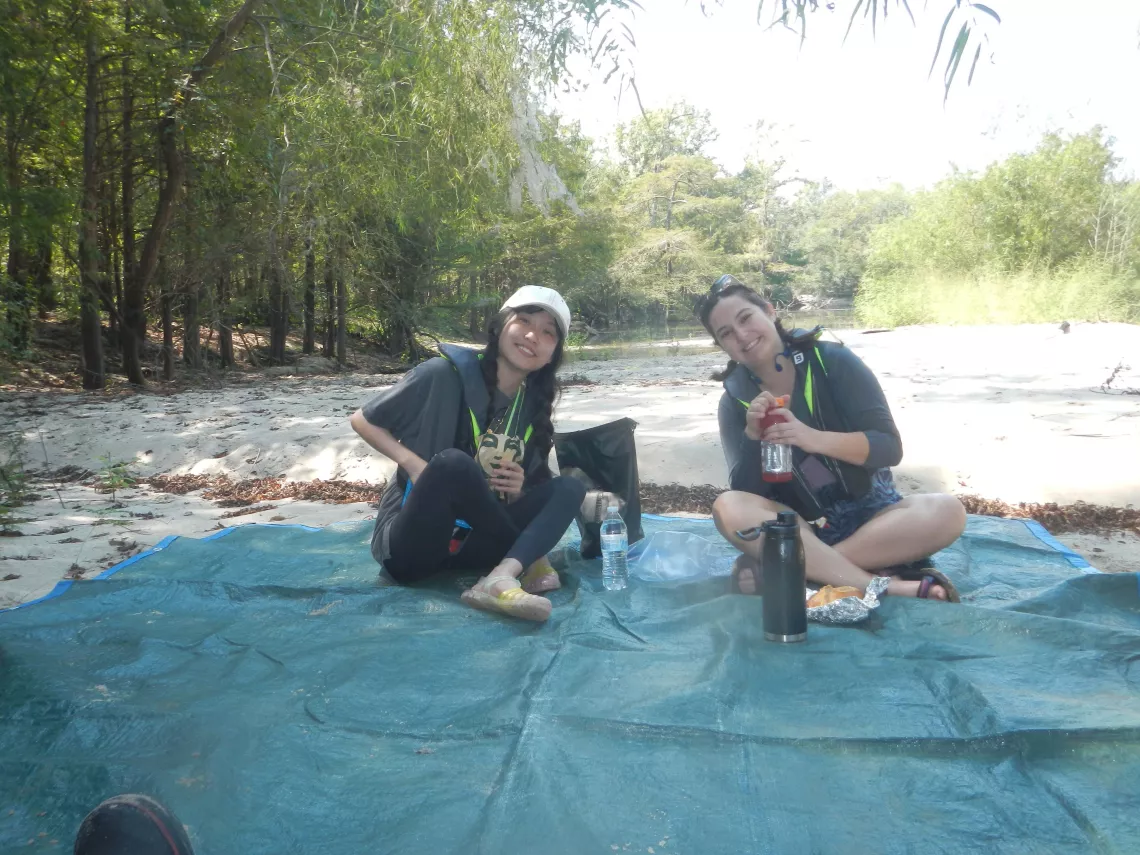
(785, 591)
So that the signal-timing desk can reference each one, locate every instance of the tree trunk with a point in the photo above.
(341, 327)
(192, 323)
(134, 298)
(278, 312)
(90, 326)
(117, 267)
(107, 260)
(412, 280)
(310, 287)
(261, 294)
(91, 331)
(15, 291)
(310, 301)
(40, 278)
(172, 157)
(225, 330)
(167, 323)
(330, 308)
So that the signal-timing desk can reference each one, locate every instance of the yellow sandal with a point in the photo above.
(540, 577)
(512, 601)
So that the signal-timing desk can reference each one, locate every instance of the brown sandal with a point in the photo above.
(927, 577)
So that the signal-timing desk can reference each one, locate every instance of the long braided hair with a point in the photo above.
(542, 384)
(707, 304)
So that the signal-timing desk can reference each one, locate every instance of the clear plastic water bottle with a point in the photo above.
(615, 571)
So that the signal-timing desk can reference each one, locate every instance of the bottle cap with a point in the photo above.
(611, 508)
(786, 518)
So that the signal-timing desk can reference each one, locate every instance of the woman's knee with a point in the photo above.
(451, 458)
(940, 516)
(571, 488)
(453, 463)
(737, 509)
(951, 516)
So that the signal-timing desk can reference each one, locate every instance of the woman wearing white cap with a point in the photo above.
(471, 432)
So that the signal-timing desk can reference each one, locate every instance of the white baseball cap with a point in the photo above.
(543, 298)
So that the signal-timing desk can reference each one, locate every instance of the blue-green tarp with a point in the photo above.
(278, 699)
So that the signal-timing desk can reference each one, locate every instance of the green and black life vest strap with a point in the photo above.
(464, 361)
(809, 385)
(809, 382)
(742, 386)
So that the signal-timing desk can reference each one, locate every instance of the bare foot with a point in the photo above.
(509, 568)
(744, 570)
(746, 581)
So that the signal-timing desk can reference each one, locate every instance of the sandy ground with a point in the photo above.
(1013, 413)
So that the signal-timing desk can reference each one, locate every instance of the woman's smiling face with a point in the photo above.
(528, 340)
(745, 331)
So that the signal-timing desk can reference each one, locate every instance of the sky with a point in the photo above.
(864, 113)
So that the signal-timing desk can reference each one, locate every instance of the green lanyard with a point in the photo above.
(513, 415)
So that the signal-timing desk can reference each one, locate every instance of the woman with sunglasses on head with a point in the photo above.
(844, 442)
(471, 433)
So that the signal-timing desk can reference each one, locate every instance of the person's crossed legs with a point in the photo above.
(914, 528)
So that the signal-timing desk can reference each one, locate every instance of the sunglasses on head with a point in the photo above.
(724, 283)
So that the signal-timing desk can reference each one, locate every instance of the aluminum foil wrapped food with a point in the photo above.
(849, 609)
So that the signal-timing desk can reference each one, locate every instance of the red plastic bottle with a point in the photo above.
(777, 459)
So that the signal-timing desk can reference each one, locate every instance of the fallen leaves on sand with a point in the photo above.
(253, 509)
(677, 498)
(1077, 517)
(1080, 517)
(228, 493)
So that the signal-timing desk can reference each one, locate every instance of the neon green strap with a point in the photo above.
(808, 390)
(809, 385)
(516, 408)
(513, 416)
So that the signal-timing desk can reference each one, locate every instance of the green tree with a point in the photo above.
(655, 135)
(837, 234)
(1034, 211)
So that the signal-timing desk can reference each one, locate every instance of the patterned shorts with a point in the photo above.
(845, 516)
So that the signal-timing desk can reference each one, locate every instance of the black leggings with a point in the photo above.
(452, 487)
